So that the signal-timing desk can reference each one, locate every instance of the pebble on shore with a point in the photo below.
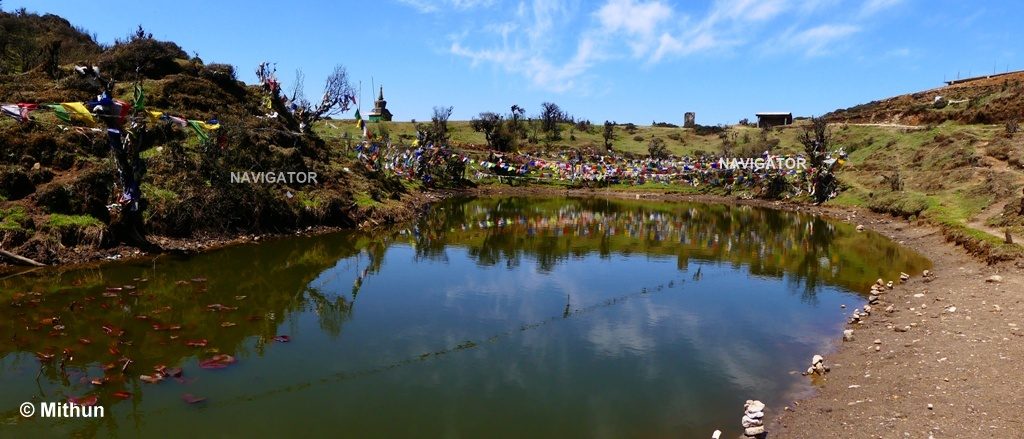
(817, 366)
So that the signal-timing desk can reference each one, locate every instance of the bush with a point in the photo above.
(899, 204)
(638, 138)
(154, 59)
(657, 149)
(15, 184)
(705, 130)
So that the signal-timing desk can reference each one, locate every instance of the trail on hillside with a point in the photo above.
(980, 221)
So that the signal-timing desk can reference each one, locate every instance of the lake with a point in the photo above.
(488, 318)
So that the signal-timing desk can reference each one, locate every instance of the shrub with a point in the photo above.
(154, 59)
(899, 204)
(705, 130)
(638, 138)
(656, 148)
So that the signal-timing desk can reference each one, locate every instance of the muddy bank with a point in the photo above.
(384, 214)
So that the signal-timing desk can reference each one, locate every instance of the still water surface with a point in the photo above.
(490, 318)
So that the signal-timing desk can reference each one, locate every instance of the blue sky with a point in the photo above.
(624, 60)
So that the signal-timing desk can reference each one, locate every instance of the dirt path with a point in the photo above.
(980, 221)
(887, 125)
(954, 373)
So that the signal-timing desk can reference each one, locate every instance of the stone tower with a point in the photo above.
(380, 109)
(689, 119)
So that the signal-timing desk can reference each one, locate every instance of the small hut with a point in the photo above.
(769, 120)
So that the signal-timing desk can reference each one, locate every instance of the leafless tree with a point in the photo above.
(298, 89)
(337, 94)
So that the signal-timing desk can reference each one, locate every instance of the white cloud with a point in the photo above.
(750, 10)
(555, 46)
(632, 17)
(872, 7)
(814, 41)
(430, 6)
(527, 44)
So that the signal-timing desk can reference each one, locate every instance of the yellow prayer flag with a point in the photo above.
(77, 111)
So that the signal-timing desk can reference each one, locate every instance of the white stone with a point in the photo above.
(754, 406)
(753, 431)
(817, 359)
(848, 335)
(995, 278)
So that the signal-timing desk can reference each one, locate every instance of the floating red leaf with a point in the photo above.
(84, 341)
(192, 399)
(151, 379)
(196, 343)
(227, 324)
(44, 357)
(98, 381)
(113, 289)
(198, 279)
(112, 331)
(218, 361)
(87, 401)
(122, 394)
(282, 339)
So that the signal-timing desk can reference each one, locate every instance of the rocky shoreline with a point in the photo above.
(932, 360)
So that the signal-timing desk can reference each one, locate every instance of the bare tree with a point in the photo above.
(338, 93)
(298, 89)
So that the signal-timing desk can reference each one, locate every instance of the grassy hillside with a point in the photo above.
(680, 141)
(984, 101)
(908, 156)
